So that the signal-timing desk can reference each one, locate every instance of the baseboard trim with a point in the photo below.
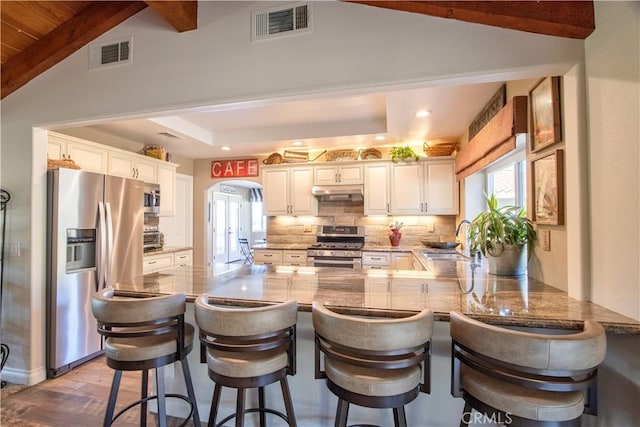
(21, 376)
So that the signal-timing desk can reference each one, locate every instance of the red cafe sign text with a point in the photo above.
(234, 168)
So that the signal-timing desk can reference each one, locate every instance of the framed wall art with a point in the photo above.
(548, 188)
(546, 127)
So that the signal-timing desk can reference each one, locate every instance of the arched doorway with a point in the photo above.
(231, 208)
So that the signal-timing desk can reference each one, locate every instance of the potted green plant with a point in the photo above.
(402, 153)
(505, 236)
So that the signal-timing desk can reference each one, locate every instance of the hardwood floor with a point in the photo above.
(77, 398)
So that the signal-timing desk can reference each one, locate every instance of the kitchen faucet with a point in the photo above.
(464, 221)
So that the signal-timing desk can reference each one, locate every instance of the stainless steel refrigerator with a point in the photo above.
(95, 238)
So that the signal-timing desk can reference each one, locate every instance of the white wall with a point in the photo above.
(217, 64)
(613, 107)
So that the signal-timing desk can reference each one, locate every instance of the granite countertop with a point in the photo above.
(167, 250)
(492, 299)
(388, 248)
(280, 246)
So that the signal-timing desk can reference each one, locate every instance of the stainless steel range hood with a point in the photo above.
(338, 193)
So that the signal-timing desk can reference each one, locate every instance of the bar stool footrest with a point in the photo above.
(251, 410)
(155, 397)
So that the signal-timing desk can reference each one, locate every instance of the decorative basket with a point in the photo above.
(338, 155)
(64, 163)
(370, 153)
(155, 151)
(295, 156)
(443, 149)
(273, 159)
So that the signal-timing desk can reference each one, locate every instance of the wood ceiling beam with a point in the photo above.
(91, 22)
(182, 15)
(569, 19)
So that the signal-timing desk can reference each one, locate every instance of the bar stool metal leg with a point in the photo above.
(399, 417)
(190, 392)
(261, 406)
(240, 408)
(144, 394)
(288, 403)
(215, 403)
(113, 396)
(162, 406)
(342, 412)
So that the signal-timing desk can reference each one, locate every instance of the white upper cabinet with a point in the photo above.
(338, 174)
(407, 189)
(440, 188)
(167, 181)
(426, 187)
(287, 191)
(99, 158)
(90, 157)
(130, 166)
(376, 189)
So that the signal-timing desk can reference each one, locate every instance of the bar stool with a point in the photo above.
(373, 362)
(523, 378)
(248, 348)
(142, 334)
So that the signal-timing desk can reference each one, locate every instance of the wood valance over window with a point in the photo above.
(494, 140)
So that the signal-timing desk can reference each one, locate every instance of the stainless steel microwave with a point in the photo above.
(151, 198)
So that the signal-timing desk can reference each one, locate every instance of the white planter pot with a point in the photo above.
(511, 262)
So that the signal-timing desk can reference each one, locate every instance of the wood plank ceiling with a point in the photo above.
(35, 35)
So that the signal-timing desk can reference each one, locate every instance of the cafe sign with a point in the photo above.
(236, 168)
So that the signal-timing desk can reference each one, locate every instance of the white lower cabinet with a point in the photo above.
(157, 262)
(154, 263)
(402, 260)
(378, 260)
(183, 258)
(267, 256)
(387, 260)
(280, 257)
(290, 257)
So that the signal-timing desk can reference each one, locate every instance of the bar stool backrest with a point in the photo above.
(549, 362)
(380, 343)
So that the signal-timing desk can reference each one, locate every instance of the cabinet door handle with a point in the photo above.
(152, 262)
(421, 207)
(388, 208)
(425, 207)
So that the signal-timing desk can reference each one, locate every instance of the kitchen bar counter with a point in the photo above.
(285, 246)
(493, 299)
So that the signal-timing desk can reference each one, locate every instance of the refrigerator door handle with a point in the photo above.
(109, 253)
(102, 261)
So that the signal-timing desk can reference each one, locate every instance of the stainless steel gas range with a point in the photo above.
(337, 246)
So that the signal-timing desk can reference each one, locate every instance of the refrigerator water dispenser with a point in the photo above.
(81, 249)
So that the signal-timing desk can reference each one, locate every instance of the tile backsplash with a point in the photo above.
(285, 229)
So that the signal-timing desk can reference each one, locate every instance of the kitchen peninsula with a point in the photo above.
(451, 286)
(498, 300)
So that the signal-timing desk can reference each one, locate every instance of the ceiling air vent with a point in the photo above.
(280, 21)
(110, 53)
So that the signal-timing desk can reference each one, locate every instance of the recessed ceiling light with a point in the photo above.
(225, 148)
(297, 143)
(423, 113)
(380, 137)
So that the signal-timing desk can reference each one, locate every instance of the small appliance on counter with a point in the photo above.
(153, 238)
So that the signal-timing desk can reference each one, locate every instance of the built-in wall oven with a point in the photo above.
(337, 246)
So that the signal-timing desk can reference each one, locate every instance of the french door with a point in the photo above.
(226, 227)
